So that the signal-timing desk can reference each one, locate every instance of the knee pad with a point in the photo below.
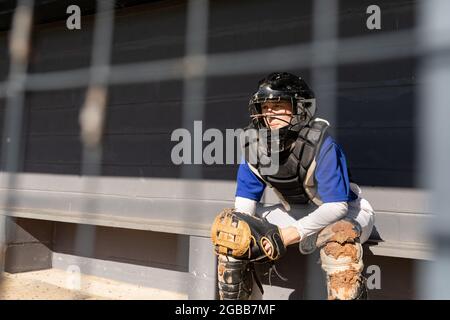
(341, 258)
(235, 278)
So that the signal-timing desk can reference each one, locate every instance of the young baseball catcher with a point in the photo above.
(311, 168)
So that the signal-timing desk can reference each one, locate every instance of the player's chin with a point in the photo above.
(275, 125)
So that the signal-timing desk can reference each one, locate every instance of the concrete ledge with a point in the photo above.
(400, 249)
(149, 224)
(387, 199)
(387, 247)
(188, 207)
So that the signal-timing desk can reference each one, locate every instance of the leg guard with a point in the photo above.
(341, 258)
(235, 278)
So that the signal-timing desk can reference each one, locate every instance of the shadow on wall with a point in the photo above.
(30, 244)
(144, 248)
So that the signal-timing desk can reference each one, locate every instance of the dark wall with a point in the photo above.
(375, 117)
(51, 10)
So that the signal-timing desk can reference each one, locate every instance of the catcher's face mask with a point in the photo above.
(276, 114)
(279, 114)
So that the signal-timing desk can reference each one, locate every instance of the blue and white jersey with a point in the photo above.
(333, 184)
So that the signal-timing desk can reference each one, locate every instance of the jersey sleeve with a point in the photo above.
(333, 183)
(249, 186)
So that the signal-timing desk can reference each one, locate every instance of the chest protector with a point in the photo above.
(294, 181)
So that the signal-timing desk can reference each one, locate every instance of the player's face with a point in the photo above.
(278, 114)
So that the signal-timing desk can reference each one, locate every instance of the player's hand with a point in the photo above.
(290, 236)
(267, 247)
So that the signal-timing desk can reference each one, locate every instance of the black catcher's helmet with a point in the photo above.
(285, 86)
(279, 86)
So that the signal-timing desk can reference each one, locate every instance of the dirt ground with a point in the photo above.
(54, 284)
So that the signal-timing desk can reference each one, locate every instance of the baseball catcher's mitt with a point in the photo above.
(240, 236)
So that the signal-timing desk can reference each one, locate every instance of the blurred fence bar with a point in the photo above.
(19, 46)
(435, 148)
